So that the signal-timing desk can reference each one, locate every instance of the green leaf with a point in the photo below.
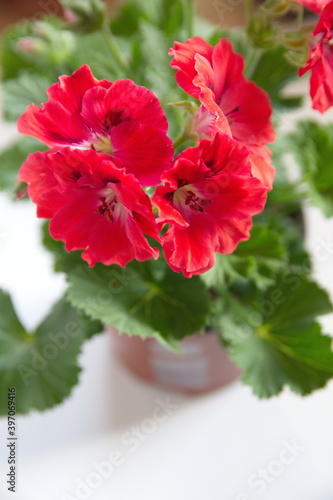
(217, 275)
(262, 243)
(171, 16)
(127, 19)
(277, 341)
(312, 146)
(146, 299)
(159, 75)
(93, 50)
(27, 88)
(291, 229)
(11, 61)
(58, 48)
(257, 259)
(12, 158)
(63, 261)
(272, 72)
(42, 365)
(271, 363)
(237, 36)
(286, 196)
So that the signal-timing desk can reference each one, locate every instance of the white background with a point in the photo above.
(211, 447)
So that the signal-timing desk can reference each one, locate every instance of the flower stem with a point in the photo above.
(180, 139)
(249, 11)
(188, 8)
(114, 49)
(299, 16)
(253, 61)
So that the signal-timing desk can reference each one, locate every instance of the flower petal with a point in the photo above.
(190, 250)
(320, 62)
(208, 200)
(54, 125)
(248, 109)
(144, 151)
(227, 66)
(231, 233)
(122, 102)
(117, 245)
(205, 79)
(93, 205)
(70, 90)
(314, 5)
(261, 165)
(43, 188)
(184, 60)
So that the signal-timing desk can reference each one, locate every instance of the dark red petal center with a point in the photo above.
(107, 207)
(195, 202)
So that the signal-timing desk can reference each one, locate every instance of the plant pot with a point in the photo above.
(203, 366)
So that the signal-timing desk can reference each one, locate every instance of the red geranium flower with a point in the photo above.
(121, 118)
(93, 204)
(229, 101)
(320, 62)
(208, 198)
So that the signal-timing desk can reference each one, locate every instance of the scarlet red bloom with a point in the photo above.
(320, 62)
(120, 118)
(230, 103)
(208, 198)
(93, 204)
(314, 5)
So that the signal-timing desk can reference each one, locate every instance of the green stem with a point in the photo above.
(114, 49)
(253, 61)
(249, 10)
(305, 179)
(180, 139)
(299, 16)
(188, 8)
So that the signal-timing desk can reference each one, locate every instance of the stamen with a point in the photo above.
(195, 202)
(107, 208)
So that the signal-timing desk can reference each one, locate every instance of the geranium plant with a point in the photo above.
(164, 185)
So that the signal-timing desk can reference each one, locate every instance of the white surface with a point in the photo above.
(211, 447)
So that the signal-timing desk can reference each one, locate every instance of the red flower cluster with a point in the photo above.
(230, 103)
(108, 140)
(93, 205)
(208, 198)
(320, 61)
(120, 118)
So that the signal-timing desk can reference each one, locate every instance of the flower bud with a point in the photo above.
(51, 44)
(28, 45)
(21, 191)
(85, 15)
